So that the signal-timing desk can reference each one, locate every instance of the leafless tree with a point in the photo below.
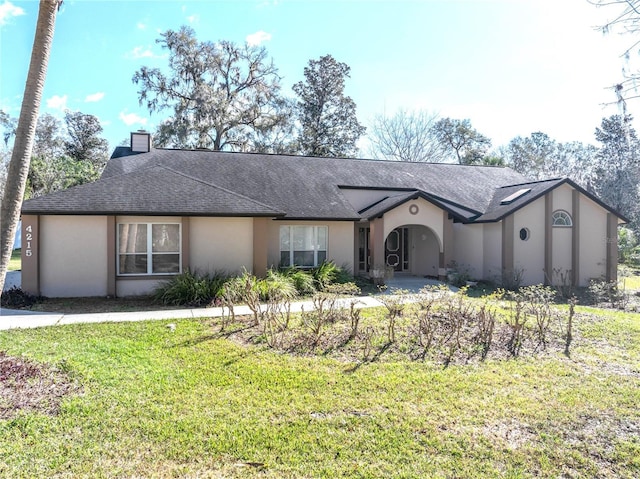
(406, 136)
(624, 18)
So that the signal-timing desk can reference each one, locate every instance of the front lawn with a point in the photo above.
(15, 263)
(151, 400)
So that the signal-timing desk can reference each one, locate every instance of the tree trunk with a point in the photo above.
(25, 133)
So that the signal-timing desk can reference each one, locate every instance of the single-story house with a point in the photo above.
(155, 213)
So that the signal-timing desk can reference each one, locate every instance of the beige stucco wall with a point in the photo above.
(492, 249)
(593, 241)
(561, 237)
(137, 287)
(562, 199)
(340, 245)
(362, 198)
(424, 256)
(529, 255)
(468, 249)
(428, 215)
(221, 244)
(73, 256)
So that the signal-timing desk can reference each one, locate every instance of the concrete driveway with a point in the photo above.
(14, 278)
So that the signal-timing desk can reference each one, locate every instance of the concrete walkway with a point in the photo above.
(11, 319)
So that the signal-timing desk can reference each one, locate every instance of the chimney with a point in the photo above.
(141, 141)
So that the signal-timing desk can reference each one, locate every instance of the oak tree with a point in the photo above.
(463, 143)
(217, 94)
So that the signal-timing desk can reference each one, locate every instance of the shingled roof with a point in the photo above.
(188, 182)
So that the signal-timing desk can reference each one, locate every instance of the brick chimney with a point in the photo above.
(140, 141)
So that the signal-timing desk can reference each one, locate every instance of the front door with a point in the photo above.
(396, 249)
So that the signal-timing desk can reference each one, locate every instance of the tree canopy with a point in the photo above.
(617, 167)
(218, 94)
(64, 154)
(328, 122)
(461, 141)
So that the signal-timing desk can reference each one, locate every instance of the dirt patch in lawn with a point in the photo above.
(99, 305)
(26, 386)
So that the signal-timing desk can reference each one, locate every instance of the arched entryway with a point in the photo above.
(413, 249)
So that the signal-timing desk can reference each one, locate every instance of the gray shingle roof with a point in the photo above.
(186, 182)
(307, 187)
(155, 190)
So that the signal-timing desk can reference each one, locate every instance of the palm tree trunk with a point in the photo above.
(25, 133)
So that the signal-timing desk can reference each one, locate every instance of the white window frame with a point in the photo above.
(149, 252)
(316, 244)
(557, 214)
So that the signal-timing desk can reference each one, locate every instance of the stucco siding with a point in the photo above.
(529, 254)
(561, 253)
(137, 287)
(492, 249)
(425, 252)
(562, 199)
(340, 243)
(73, 256)
(221, 244)
(468, 253)
(593, 241)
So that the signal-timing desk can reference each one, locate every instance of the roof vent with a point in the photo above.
(141, 141)
(518, 194)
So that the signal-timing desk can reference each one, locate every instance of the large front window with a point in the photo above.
(148, 248)
(304, 246)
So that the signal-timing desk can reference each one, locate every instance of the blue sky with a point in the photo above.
(510, 66)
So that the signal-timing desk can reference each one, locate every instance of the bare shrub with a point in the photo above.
(602, 292)
(354, 316)
(395, 304)
(367, 342)
(485, 325)
(516, 320)
(569, 333)
(538, 300)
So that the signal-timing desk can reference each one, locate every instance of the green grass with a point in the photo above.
(193, 403)
(629, 277)
(15, 263)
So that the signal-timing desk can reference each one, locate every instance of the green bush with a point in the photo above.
(628, 246)
(277, 286)
(328, 273)
(191, 288)
(302, 280)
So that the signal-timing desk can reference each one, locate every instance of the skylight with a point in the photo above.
(518, 194)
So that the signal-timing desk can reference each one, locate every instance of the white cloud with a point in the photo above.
(141, 25)
(57, 102)
(140, 52)
(132, 119)
(257, 38)
(94, 97)
(9, 10)
(193, 18)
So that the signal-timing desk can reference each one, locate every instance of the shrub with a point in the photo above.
(302, 280)
(17, 298)
(277, 286)
(325, 274)
(190, 288)
(602, 291)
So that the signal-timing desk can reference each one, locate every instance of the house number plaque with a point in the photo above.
(28, 240)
